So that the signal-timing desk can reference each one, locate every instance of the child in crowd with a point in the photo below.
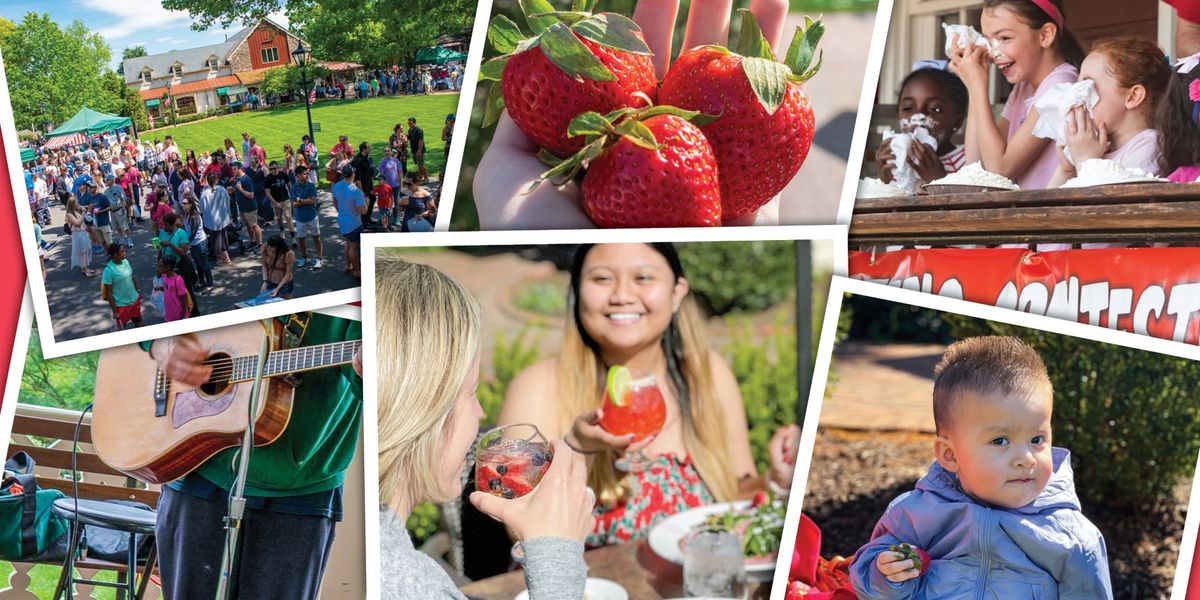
(1131, 76)
(177, 302)
(997, 515)
(1033, 50)
(383, 197)
(941, 98)
(1176, 122)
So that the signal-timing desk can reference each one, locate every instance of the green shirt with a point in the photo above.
(316, 448)
(120, 277)
(179, 238)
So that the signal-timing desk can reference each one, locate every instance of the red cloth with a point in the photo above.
(1188, 10)
(828, 579)
(126, 314)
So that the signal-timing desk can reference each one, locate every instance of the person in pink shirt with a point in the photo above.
(1033, 50)
(1131, 76)
(258, 151)
(177, 302)
(1176, 122)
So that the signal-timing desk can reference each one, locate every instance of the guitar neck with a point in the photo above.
(296, 360)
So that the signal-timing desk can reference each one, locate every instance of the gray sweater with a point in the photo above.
(554, 567)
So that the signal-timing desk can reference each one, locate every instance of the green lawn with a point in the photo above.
(368, 120)
(43, 578)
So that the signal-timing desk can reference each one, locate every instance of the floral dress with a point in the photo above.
(667, 486)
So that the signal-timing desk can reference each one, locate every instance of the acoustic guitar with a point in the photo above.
(158, 430)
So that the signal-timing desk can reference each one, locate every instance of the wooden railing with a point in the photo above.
(1126, 214)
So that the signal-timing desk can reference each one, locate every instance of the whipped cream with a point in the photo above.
(1099, 171)
(967, 36)
(974, 174)
(869, 187)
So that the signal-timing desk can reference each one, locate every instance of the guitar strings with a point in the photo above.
(241, 364)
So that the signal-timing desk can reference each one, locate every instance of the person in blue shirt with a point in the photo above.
(350, 207)
(304, 212)
(175, 245)
(101, 213)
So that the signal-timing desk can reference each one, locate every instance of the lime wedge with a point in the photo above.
(619, 379)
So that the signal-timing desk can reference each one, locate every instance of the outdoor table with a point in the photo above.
(1125, 213)
(643, 574)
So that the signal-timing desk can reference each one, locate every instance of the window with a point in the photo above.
(213, 63)
(269, 55)
(146, 75)
(177, 70)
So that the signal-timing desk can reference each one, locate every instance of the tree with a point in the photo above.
(128, 102)
(61, 68)
(374, 32)
(66, 382)
(283, 81)
(128, 53)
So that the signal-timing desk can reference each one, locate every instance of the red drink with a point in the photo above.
(510, 461)
(641, 410)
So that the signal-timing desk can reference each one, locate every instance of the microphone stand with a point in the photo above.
(237, 500)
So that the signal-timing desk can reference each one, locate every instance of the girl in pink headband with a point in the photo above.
(1033, 50)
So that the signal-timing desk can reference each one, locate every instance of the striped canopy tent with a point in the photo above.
(28, 154)
(88, 121)
(73, 139)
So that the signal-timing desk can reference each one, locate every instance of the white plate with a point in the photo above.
(595, 589)
(665, 536)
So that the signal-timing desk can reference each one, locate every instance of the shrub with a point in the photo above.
(1128, 416)
(878, 320)
(740, 276)
(547, 297)
(425, 520)
(509, 357)
(765, 369)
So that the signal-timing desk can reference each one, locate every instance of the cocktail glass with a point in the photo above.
(510, 461)
(633, 406)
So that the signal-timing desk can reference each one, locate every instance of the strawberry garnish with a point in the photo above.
(760, 499)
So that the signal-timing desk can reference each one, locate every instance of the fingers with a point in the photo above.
(639, 445)
(489, 505)
(771, 15)
(657, 20)
(1103, 138)
(708, 23)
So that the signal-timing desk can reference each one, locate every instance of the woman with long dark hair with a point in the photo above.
(278, 263)
(630, 305)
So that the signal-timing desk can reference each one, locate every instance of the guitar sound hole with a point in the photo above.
(222, 372)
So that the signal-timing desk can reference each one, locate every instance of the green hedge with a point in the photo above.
(740, 276)
(1129, 417)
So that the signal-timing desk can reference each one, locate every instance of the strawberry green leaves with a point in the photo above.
(804, 45)
(559, 34)
(767, 77)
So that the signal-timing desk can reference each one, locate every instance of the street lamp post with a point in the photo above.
(301, 54)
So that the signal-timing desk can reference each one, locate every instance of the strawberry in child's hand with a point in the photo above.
(765, 125)
(649, 167)
(919, 557)
(577, 62)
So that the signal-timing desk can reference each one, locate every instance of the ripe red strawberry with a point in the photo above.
(653, 168)
(760, 499)
(577, 62)
(766, 125)
(518, 486)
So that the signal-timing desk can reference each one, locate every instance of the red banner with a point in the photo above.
(1150, 291)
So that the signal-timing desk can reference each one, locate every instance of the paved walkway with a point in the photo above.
(77, 311)
(882, 387)
(812, 196)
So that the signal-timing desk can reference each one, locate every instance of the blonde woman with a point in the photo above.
(428, 421)
(630, 305)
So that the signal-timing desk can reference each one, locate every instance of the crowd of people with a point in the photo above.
(396, 81)
(1145, 117)
(196, 208)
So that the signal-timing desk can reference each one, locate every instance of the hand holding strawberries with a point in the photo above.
(600, 64)
(560, 506)
(902, 562)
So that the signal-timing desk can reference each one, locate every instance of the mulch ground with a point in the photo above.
(855, 474)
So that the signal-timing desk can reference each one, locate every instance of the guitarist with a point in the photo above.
(293, 489)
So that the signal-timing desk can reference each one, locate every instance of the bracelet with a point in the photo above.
(777, 490)
(567, 441)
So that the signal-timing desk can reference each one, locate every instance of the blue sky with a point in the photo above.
(125, 23)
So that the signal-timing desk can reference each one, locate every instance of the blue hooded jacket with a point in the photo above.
(1041, 551)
